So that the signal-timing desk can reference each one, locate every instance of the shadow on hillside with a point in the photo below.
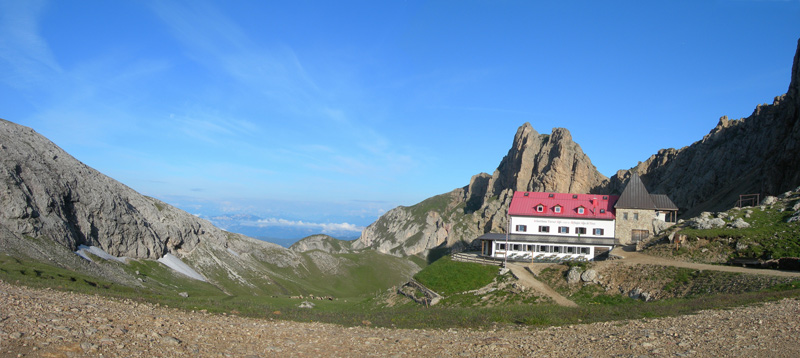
(437, 253)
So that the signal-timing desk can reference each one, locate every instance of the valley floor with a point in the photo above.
(49, 323)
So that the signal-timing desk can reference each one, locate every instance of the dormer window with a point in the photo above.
(602, 211)
(539, 208)
(605, 197)
(557, 209)
(550, 195)
(581, 210)
(575, 196)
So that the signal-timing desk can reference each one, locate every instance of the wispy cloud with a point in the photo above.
(212, 39)
(21, 46)
(325, 228)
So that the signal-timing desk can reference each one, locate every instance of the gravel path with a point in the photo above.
(632, 258)
(48, 323)
(526, 278)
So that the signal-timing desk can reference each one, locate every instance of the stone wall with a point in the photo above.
(624, 227)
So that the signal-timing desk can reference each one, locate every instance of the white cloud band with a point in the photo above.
(325, 228)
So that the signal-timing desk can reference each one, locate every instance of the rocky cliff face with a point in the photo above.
(48, 193)
(759, 154)
(535, 162)
(50, 203)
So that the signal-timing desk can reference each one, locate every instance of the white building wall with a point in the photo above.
(517, 250)
(532, 226)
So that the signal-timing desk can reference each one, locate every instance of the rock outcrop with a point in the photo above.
(322, 243)
(48, 193)
(759, 154)
(52, 204)
(535, 162)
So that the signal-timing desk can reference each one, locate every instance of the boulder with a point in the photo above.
(740, 224)
(705, 223)
(306, 304)
(769, 200)
(740, 246)
(589, 275)
(574, 275)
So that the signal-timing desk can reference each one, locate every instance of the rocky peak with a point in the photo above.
(757, 154)
(535, 162)
(546, 162)
(794, 84)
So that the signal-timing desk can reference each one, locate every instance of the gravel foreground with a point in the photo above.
(49, 323)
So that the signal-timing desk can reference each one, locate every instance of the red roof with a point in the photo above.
(525, 203)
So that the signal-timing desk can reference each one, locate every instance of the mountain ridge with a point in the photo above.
(53, 204)
(708, 175)
(759, 154)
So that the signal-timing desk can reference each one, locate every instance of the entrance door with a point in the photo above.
(639, 235)
(486, 247)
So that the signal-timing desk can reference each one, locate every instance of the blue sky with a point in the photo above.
(322, 115)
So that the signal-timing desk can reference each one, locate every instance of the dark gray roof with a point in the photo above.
(551, 239)
(662, 202)
(635, 195)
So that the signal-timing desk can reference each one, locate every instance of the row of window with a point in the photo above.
(555, 249)
(562, 230)
(557, 209)
(635, 216)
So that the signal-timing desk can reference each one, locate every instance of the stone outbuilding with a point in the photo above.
(639, 214)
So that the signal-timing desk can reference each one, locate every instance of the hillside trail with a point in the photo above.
(631, 257)
(527, 279)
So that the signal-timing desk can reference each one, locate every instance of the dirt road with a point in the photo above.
(632, 258)
(527, 279)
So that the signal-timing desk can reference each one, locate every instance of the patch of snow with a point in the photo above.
(176, 264)
(94, 250)
(234, 253)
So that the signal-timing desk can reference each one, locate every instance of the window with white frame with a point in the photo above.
(557, 209)
(598, 232)
(580, 210)
(501, 246)
(540, 208)
(584, 250)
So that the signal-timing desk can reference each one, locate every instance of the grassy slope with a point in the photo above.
(768, 237)
(446, 276)
(162, 286)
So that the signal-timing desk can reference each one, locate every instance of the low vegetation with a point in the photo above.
(447, 277)
(162, 286)
(770, 235)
